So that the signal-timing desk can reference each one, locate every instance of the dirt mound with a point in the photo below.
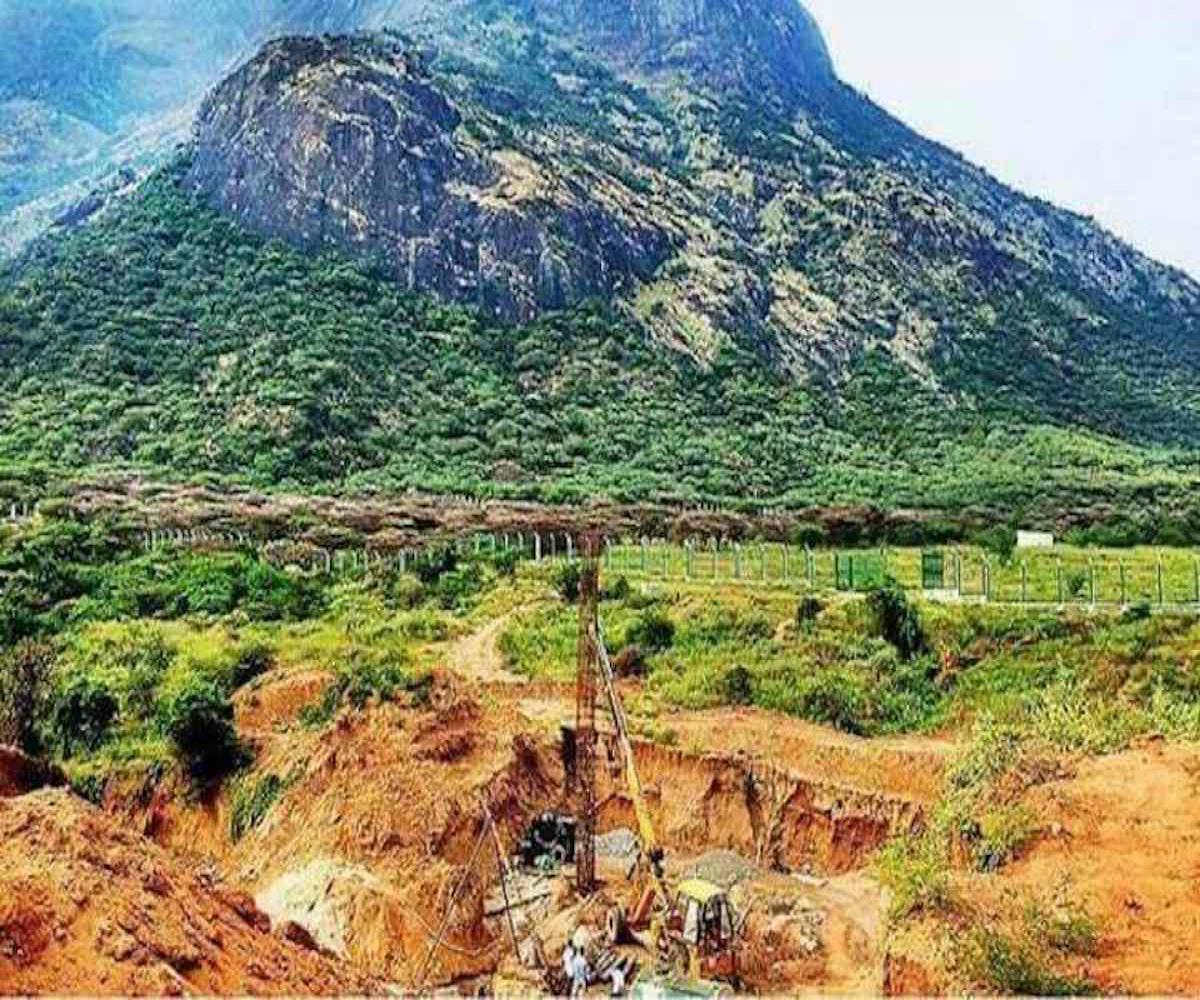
(87, 907)
(366, 844)
(20, 773)
(1120, 839)
(1124, 834)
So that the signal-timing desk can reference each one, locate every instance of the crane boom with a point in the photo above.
(648, 835)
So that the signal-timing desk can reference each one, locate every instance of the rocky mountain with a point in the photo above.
(641, 247)
(88, 87)
(699, 159)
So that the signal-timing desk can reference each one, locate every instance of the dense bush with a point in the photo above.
(894, 619)
(198, 719)
(580, 404)
(84, 712)
(567, 580)
(25, 673)
(652, 632)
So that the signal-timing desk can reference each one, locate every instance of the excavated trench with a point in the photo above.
(780, 820)
(368, 846)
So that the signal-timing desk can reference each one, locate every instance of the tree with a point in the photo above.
(25, 674)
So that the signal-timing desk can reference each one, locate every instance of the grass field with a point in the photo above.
(1063, 575)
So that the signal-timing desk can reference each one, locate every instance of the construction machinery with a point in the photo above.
(692, 927)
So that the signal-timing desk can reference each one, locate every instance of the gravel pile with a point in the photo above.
(723, 868)
(619, 843)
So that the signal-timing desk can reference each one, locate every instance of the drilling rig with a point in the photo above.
(692, 929)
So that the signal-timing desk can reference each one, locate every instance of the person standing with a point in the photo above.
(580, 973)
(568, 964)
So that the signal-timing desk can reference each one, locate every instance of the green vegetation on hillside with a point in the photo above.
(164, 339)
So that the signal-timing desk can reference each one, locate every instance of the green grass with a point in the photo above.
(1089, 681)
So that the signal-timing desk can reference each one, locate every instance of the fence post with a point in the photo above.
(737, 560)
(1058, 579)
(570, 549)
(1092, 584)
(1124, 593)
(689, 557)
(958, 575)
(1161, 590)
(987, 582)
(762, 561)
(1024, 582)
(537, 546)
(785, 562)
(643, 553)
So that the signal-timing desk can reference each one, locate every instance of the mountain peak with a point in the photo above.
(774, 45)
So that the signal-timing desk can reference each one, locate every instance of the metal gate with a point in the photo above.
(933, 570)
(858, 571)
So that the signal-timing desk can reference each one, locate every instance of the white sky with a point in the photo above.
(1091, 104)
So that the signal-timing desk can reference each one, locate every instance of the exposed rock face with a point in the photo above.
(351, 143)
(697, 162)
(772, 45)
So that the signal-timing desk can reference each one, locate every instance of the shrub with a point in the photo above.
(917, 872)
(630, 662)
(455, 588)
(1003, 832)
(1075, 583)
(807, 613)
(1068, 928)
(895, 620)
(199, 721)
(407, 592)
(716, 625)
(568, 578)
(652, 631)
(618, 590)
(252, 661)
(364, 677)
(84, 712)
(739, 686)
(504, 562)
(836, 698)
(999, 541)
(25, 673)
(1135, 613)
(435, 564)
(146, 656)
(251, 801)
(1016, 966)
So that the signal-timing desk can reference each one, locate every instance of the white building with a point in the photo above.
(1035, 540)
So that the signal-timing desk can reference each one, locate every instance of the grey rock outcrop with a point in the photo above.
(350, 143)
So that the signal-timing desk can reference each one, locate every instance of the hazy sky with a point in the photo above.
(1092, 104)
